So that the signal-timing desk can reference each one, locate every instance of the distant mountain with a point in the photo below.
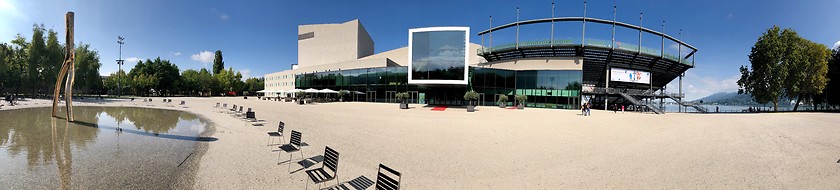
(732, 98)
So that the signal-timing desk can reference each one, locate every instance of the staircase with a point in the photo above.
(640, 103)
(699, 108)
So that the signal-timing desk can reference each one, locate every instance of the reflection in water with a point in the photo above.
(63, 158)
(91, 153)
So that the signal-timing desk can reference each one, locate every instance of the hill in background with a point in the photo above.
(733, 98)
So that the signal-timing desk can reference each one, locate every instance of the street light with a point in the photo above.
(120, 62)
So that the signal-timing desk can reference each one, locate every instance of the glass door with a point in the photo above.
(391, 97)
(371, 96)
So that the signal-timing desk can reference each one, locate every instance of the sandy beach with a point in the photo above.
(497, 148)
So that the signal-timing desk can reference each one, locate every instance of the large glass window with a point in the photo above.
(438, 56)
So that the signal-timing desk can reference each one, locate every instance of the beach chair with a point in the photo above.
(252, 118)
(278, 133)
(293, 146)
(183, 104)
(242, 114)
(223, 108)
(323, 174)
(384, 181)
(217, 106)
(232, 110)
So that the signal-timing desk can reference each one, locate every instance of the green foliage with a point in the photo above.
(471, 95)
(402, 96)
(37, 51)
(784, 65)
(254, 84)
(87, 70)
(521, 98)
(165, 76)
(502, 98)
(218, 63)
(342, 93)
(117, 79)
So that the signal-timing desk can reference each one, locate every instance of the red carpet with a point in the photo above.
(439, 108)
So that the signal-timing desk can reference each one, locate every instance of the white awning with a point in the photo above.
(327, 90)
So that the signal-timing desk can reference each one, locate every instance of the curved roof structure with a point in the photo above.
(598, 55)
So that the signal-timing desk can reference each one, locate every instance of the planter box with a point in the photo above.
(300, 102)
(470, 108)
(502, 105)
(520, 106)
(403, 106)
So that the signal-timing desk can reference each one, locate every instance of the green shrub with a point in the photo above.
(502, 98)
(402, 96)
(471, 95)
(521, 98)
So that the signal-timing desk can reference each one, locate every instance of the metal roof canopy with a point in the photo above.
(582, 19)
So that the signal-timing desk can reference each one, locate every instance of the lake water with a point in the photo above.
(42, 152)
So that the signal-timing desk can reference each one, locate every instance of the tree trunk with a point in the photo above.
(798, 99)
(776, 104)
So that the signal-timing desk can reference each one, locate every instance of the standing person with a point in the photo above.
(717, 109)
(622, 108)
(615, 108)
(588, 109)
(583, 109)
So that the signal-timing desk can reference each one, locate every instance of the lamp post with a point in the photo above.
(120, 62)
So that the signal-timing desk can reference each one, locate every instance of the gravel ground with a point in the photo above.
(497, 148)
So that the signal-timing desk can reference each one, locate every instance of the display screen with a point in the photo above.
(438, 56)
(629, 75)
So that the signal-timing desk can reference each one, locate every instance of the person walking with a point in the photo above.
(615, 108)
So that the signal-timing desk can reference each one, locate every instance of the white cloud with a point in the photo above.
(836, 45)
(177, 53)
(696, 87)
(224, 17)
(205, 57)
(246, 73)
(132, 60)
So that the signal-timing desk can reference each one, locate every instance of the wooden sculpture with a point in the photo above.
(68, 68)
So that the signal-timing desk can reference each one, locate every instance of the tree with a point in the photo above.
(113, 82)
(55, 58)
(785, 64)
(190, 81)
(254, 84)
(37, 51)
(166, 76)
(218, 63)
(5, 58)
(809, 79)
(18, 64)
(207, 83)
(765, 79)
(87, 69)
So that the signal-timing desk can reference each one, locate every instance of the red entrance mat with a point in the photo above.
(439, 108)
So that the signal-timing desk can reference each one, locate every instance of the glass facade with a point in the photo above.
(438, 55)
(544, 88)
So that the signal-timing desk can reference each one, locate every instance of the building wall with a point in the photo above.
(285, 80)
(320, 44)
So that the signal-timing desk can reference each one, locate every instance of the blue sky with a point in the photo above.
(259, 37)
